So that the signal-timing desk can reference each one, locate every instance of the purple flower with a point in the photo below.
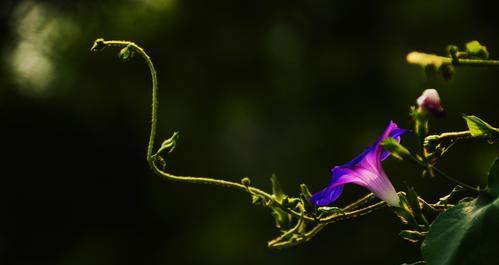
(366, 171)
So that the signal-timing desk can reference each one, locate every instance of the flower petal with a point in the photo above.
(326, 196)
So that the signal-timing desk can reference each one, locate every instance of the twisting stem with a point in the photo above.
(350, 211)
(443, 174)
(101, 44)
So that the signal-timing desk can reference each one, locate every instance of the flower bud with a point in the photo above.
(430, 101)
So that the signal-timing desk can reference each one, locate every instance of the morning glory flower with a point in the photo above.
(430, 101)
(365, 170)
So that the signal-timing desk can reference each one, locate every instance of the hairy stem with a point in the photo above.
(99, 45)
(449, 136)
(350, 211)
(443, 174)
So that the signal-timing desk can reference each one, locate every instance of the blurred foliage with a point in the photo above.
(255, 87)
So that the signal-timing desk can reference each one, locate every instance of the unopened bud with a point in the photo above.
(430, 101)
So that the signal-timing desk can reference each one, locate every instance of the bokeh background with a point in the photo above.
(255, 88)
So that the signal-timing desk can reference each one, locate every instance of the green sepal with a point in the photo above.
(420, 117)
(396, 149)
(169, 144)
(413, 201)
(405, 212)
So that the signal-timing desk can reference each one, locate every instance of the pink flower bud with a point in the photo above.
(430, 101)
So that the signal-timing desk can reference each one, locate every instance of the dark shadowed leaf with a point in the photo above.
(467, 234)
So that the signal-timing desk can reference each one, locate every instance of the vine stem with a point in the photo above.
(100, 44)
(443, 174)
(154, 78)
(450, 136)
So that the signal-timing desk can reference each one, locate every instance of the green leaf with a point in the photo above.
(474, 48)
(282, 219)
(469, 232)
(126, 53)
(412, 199)
(479, 128)
(277, 190)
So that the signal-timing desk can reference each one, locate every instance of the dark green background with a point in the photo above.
(254, 87)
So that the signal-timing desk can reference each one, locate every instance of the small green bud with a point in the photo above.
(126, 53)
(169, 144)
